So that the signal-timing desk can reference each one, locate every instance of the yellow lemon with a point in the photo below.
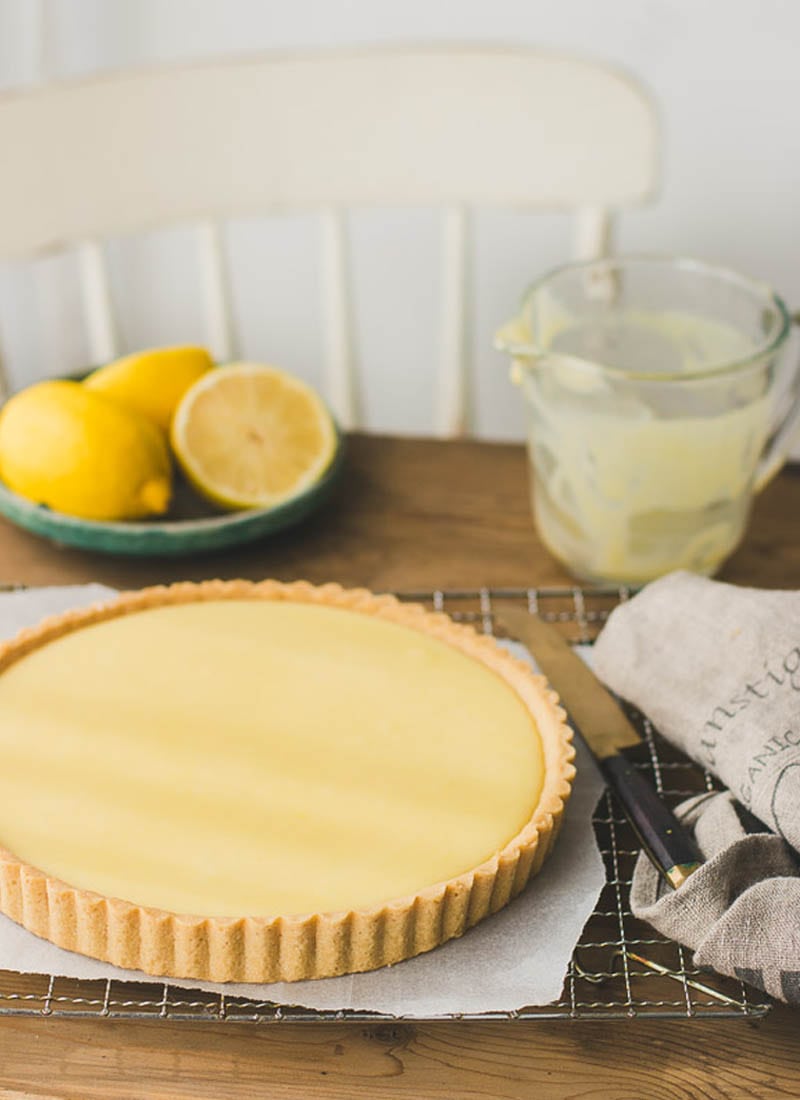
(80, 453)
(152, 382)
(251, 436)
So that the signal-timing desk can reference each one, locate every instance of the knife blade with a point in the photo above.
(597, 717)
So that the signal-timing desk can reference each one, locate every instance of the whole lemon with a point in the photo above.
(81, 453)
(152, 382)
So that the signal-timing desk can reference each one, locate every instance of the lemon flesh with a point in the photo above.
(82, 454)
(238, 757)
(152, 382)
(251, 436)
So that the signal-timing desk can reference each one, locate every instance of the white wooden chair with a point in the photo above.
(451, 127)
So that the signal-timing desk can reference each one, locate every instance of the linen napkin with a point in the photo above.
(717, 670)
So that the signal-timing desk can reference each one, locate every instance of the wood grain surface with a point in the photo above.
(409, 514)
(635, 1060)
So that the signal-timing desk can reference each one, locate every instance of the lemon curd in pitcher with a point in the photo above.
(632, 475)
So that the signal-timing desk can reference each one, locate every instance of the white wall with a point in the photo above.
(726, 76)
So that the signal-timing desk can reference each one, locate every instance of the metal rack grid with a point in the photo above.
(621, 967)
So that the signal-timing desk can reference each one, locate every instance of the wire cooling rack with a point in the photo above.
(621, 967)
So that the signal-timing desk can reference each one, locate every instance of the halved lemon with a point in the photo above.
(252, 436)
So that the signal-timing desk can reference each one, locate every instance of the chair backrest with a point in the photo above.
(452, 127)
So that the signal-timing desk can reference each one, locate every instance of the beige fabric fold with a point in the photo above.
(740, 911)
(717, 670)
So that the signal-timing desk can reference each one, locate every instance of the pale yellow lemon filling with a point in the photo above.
(256, 758)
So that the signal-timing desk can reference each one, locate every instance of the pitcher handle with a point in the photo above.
(783, 433)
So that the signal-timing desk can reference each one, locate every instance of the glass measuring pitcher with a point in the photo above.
(660, 397)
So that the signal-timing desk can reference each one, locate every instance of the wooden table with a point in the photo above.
(409, 514)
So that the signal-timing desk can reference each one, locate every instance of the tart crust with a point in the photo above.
(299, 946)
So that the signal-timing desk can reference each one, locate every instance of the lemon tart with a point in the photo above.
(258, 782)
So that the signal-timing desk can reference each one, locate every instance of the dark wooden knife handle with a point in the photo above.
(669, 843)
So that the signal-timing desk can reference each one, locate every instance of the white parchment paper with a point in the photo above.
(517, 957)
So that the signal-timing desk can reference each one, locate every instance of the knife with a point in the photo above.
(597, 717)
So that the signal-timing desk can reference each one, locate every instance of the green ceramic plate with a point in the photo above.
(191, 526)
